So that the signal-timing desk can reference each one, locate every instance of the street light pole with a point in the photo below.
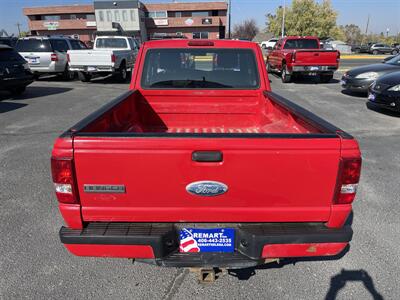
(229, 19)
(283, 18)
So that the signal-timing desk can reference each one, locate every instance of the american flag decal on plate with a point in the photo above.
(207, 240)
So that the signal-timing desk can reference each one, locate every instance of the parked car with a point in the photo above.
(269, 44)
(383, 49)
(360, 79)
(296, 55)
(385, 92)
(110, 55)
(48, 54)
(173, 172)
(15, 74)
(9, 41)
(363, 48)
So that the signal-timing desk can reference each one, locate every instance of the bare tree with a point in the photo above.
(248, 29)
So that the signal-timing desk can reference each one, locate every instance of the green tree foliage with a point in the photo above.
(248, 29)
(352, 34)
(305, 17)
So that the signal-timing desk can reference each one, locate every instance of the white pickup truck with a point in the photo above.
(110, 55)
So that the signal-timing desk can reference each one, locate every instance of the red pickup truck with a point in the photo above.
(295, 55)
(201, 165)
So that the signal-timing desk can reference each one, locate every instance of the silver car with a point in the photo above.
(48, 55)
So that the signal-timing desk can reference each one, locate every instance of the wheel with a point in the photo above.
(263, 46)
(84, 77)
(325, 78)
(285, 75)
(375, 52)
(17, 91)
(395, 52)
(357, 50)
(68, 75)
(122, 73)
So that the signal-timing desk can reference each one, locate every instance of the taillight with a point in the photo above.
(54, 57)
(293, 57)
(68, 58)
(338, 56)
(62, 170)
(113, 58)
(349, 176)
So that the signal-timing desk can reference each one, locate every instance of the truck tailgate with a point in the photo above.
(315, 57)
(90, 57)
(268, 179)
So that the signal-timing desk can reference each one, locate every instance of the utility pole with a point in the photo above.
(283, 18)
(19, 29)
(229, 19)
(366, 28)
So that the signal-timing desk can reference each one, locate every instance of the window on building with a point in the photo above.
(125, 15)
(73, 17)
(156, 14)
(133, 16)
(200, 14)
(178, 14)
(101, 16)
(214, 13)
(90, 17)
(117, 16)
(51, 18)
(200, 35)
(109, 16)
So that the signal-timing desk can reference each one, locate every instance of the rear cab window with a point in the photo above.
(197, 68)
(77, 45)
(301, 44)
(33, 45)
(113, 43)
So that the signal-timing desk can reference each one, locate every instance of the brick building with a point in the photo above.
(205, 20)
(73, 20)
(192, 19)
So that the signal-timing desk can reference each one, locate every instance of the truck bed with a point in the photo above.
(169, 114)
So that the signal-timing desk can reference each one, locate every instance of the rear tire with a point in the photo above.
(68, 75)
(122, 73)
(84, 77)
(395, 52)
(375, 52)
(285, 75)
(325, 78)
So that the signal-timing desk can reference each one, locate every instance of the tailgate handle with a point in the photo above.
(207, 156)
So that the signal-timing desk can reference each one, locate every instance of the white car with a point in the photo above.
(110, 55)
(269, 44)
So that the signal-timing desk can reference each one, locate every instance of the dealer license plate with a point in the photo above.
(91, 69)
(207, 240)
(33, 60)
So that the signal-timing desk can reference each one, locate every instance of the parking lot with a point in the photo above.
(34, 264)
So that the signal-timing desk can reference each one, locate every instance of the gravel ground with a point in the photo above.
(34, 264)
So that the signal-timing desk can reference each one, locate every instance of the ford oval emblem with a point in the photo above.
(206, 188)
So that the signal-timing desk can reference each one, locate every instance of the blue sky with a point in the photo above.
(384, 13)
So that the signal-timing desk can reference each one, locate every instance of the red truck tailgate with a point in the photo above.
(268, 179)
(315, 57)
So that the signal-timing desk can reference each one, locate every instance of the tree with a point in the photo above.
(304, 17)
(352, 34)
(248, 29)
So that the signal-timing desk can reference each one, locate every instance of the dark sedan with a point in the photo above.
(359, 79)
(385, 92)
(15, 74)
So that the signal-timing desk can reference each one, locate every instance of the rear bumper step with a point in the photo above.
(251, 240)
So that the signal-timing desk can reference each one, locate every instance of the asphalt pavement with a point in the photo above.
(35, 265)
